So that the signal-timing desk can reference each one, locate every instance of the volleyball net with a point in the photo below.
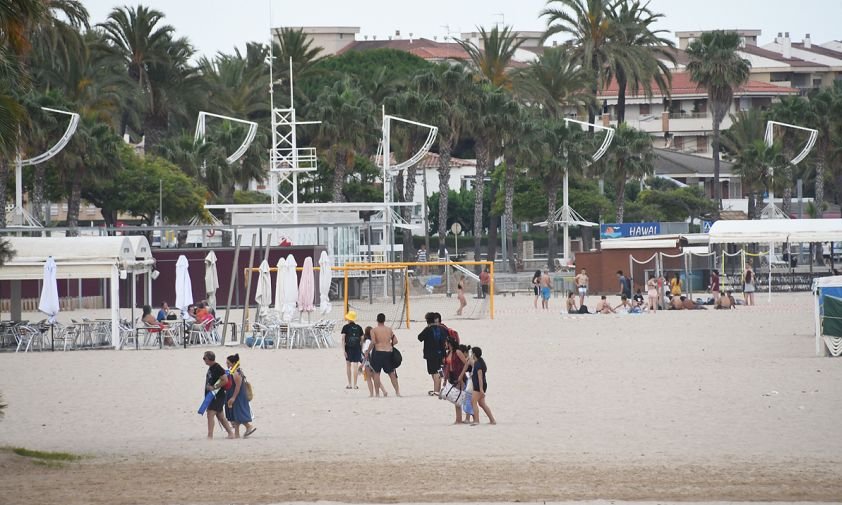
(405, 292)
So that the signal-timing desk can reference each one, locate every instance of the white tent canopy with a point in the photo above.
(81, 258)
(776, 230)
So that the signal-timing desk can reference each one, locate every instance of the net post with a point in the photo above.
(247, 281)
(491, 289)
(345, 290)
(406, 294)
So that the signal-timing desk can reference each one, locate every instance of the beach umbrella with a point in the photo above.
(279, 284)
(263, 296)
(307, 287)
(211, 279)
(183, 285)
(49, 304)
(290, 288)
(325, 276)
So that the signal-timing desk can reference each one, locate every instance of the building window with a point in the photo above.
(678, 142)
(701, 144)
(644, 109)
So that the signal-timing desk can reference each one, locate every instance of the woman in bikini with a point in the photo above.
(460, 290)
(536, 287)
(652, 293)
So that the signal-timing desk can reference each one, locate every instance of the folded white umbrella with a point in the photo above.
(183, 285)
(307, 286)
(211, 279)
(49, 303)
(279, 284)
(325, 277)
(263, 296)
(290, 288)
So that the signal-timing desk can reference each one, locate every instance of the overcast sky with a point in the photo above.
(220, 25)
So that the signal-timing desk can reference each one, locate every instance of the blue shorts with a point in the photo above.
(545, 293)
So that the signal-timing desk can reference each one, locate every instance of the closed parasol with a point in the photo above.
(325, 278)
(49, 303)
(183, 285)
(290, 288)
(307, 287)
(211, 279)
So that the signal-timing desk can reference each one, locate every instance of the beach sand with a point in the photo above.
(676, 406)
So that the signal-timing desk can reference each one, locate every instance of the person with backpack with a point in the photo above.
(352, 343)
(434, 337)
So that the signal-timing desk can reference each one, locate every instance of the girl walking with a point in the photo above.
(237, 407)
(479, 382)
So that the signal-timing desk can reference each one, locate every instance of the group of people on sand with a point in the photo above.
(450, 362)
(542, 288)
(370, 352)
(673, 298)
(229, 394)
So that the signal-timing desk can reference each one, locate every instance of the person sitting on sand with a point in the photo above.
(571, 303)
(603, 307)
(675, 302)
(689, 304)
(624, 307)
(726, 301)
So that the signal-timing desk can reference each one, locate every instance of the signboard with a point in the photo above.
(706, 226)
(625, 230)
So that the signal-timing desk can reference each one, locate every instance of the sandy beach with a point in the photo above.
(675, 406)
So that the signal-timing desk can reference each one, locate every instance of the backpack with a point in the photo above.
(451, 333)
(354, 337)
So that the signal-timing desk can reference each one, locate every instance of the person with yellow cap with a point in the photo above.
(352, 343)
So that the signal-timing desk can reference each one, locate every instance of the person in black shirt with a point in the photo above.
(479, 381)
(215, 409)
(352, 342)
(434, 337)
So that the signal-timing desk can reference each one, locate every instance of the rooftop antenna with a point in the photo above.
(566, 215)
(20, 216)
(502, 17)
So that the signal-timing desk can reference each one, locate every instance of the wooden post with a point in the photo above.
(232, 283)
(248, 291)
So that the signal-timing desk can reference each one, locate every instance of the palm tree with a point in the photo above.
(139, 38)
(792, 110)
(646, 52)
(825, 107)
(521, 148)
(451, 84)
(553, 81)
(422, 106)
(293, 44)
(589, 26)
(753, 163)
(493, 109)
(345, 129)
(159, 64)
(494, 55)
(93, 152)
(16, 17)
(716, 66)
(564, 149)
(630, 157)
